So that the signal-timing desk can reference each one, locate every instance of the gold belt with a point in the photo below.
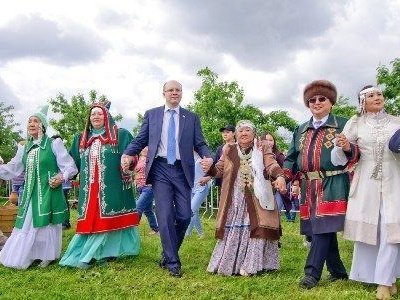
(320, 174)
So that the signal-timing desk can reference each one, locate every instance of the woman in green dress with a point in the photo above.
(38, 230)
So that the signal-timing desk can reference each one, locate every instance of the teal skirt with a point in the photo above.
(85, 247)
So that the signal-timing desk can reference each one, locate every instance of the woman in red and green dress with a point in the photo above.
(107, 216)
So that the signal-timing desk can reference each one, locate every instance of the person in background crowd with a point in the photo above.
(107, 217)
(373, 213)
(324, 186)
(228, 137)
(144, 203)
(17, 183)
(67, 186)
(199, 194)
(38, 231)
(283, 200)
(3, 238)
(248, 227)
(294, 188)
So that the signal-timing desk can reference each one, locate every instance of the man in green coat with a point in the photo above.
(324, 187)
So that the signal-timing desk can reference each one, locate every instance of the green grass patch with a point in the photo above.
(141, 278)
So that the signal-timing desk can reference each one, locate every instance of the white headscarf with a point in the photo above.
(262, 187)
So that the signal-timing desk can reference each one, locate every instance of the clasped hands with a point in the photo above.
(55, 181)
(203, 180)
(126, 161)
(343, 142)
(280, 184)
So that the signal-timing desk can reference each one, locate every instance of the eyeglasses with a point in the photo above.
(314, 99)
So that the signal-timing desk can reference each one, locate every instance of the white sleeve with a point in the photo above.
(350, 130)
(14, 167)
(65, 162)
(338, 157)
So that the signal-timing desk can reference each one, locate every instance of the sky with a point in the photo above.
(126, 50)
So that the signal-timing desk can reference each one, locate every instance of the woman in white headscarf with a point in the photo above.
(248, 220)
(373, 210)
(38, 229)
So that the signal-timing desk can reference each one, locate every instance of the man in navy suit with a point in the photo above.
(171, 133)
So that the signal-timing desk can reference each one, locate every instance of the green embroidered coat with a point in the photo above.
(115, 195)
(48, 204)
(323, 201)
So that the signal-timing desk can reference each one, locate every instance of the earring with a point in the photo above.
(361, 106)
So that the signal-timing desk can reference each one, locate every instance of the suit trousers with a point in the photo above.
(324, 248)
(172, 203)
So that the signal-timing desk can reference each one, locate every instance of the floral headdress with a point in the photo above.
(362, 96)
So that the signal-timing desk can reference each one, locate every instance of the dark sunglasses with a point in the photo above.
(314, 99)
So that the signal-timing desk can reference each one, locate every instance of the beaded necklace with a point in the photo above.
(378, 124)
(245, 173)
(31, 166)
(94, 158)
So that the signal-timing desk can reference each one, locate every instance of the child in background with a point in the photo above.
(144, 203)
(294, 189)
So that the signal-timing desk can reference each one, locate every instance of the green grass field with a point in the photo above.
(141, 278)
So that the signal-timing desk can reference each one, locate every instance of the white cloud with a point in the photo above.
(272, 49)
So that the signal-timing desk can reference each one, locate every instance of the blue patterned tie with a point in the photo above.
(171, 147)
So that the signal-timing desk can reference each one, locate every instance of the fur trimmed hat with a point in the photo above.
(320, 87)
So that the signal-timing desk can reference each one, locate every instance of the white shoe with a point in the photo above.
(44, 263)
(307, 244)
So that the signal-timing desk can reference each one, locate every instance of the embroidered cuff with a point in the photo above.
(353, 154)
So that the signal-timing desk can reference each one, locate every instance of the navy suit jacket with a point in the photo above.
(190, 138)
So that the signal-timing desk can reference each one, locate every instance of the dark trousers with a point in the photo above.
(324, 248)
(66, 193)
(172, 198)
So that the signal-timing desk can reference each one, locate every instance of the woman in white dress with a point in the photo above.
(373, 211)
(42, 210)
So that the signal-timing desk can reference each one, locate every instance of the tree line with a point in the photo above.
(216, 102)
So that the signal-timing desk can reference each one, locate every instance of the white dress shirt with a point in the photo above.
(323, 121)
(162, 146)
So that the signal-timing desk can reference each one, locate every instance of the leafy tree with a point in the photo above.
(136, 129)
(73, 114)
(391, 81)
(9, 134)
(343, 108)
(221, 103)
